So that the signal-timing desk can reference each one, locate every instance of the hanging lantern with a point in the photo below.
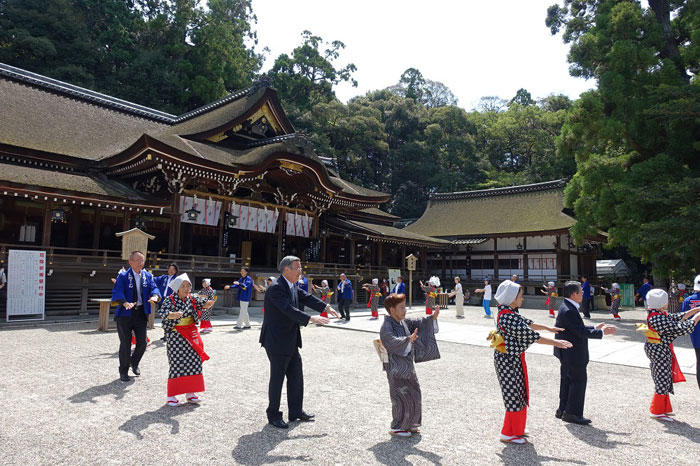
(58, 216)
(230, 220)
(192, 214)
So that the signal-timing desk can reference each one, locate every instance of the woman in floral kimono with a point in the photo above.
(374, 295)
(181, 312)
(430, 290)
(210, 294)
(661, 330)
(615, 299)
(513, 336)
(324, 292)
(551, 291)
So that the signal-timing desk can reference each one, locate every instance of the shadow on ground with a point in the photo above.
(256, 448)
(163, 415)
(396, 451)
(597, 438)
(115, 387)
(518, 455)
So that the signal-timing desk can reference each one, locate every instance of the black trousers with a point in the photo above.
(137, 323)
(344, 308)
(281, 366)
(586, 307)
(572, 388)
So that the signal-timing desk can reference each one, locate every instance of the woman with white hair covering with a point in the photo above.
(324, 292)
(430, 290)
(551, 291)
(374, 295)
(615, 299)
(181, 312)
(513, 336)
(210, 294)
(661, 329)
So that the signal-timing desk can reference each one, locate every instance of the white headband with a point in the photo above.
(207, 281)
(375, 281)
(177, 282)
(507, 292)
(657, 298)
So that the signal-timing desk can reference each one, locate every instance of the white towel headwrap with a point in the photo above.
(507, 292)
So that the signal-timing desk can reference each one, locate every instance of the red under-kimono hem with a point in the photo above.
(186, 384)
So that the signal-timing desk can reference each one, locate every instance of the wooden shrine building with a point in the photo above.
(225, 185)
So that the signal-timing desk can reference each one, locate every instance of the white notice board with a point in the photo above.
(26, 284)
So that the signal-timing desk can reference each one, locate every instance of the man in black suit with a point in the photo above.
(572, 389)
(281, 338)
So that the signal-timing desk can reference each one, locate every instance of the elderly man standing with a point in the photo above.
(574, 361)
(281, 338)
(406, 340)
(134, 291)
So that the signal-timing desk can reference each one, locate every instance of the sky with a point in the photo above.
(476, 48)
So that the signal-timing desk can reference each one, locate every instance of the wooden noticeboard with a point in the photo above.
(134, 240)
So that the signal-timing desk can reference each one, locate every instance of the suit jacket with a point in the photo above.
(576, 332)
(123, 291)
(281, 332)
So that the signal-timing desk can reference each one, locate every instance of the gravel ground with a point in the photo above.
(68, 407)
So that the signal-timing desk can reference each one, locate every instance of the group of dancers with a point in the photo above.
(402, 342)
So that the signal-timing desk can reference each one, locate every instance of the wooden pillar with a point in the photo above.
(379, 254)
(96, 229)
(403, 257)
(495, 259)
(558, 255)
(444, 270)
(222, 226)
(126, 220)
(74, 226)
(424, 260)
(175, 225)
(46, 227)
(352, 251)
(323, 248)
(280, 233)
(526, 264)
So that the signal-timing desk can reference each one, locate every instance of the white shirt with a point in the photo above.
(137, 279)
(487, 292)
(458, 292)
(576, 305)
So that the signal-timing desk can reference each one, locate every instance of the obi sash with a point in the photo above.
(191, 334)
(675, 367)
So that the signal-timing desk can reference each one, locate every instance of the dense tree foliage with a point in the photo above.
(173, 55)
(635, 138)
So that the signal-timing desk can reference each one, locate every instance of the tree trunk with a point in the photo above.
(670, 50)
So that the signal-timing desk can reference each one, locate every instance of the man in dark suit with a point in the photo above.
(572, 389)
(281, 338)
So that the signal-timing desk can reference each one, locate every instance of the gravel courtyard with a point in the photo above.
(65, 405)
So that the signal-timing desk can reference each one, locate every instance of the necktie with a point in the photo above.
(295, 300)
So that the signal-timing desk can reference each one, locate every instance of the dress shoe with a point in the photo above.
(125, 378)
(136, 370)
(279, 423)
(303, 417)
(575, 419)
(558, 414)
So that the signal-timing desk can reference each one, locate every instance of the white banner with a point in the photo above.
(255, 218)
(208, 211)
(26, 283)
(298, 225)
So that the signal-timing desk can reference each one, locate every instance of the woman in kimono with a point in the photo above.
(615, 299)
(181, 312)
(551, 291)
(374, 295)
(661, 330)
(209, 294)
(430, 290)
(513, 336)
(404, 341)
(324, 292)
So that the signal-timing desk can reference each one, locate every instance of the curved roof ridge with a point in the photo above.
(534, 187)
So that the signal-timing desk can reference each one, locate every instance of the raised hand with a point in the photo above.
(414, 336)
(333, 313)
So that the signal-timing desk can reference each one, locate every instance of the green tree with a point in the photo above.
(307, 76)
(522, 98)
(635, 138)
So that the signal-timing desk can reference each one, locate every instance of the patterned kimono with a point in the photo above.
(325, 294)
(185, 348)
(430, 296)
(205, 321)
(404, 390)
(511, 369)
(373, 303)
(615, 299)
(552, 298)
(663, 364)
